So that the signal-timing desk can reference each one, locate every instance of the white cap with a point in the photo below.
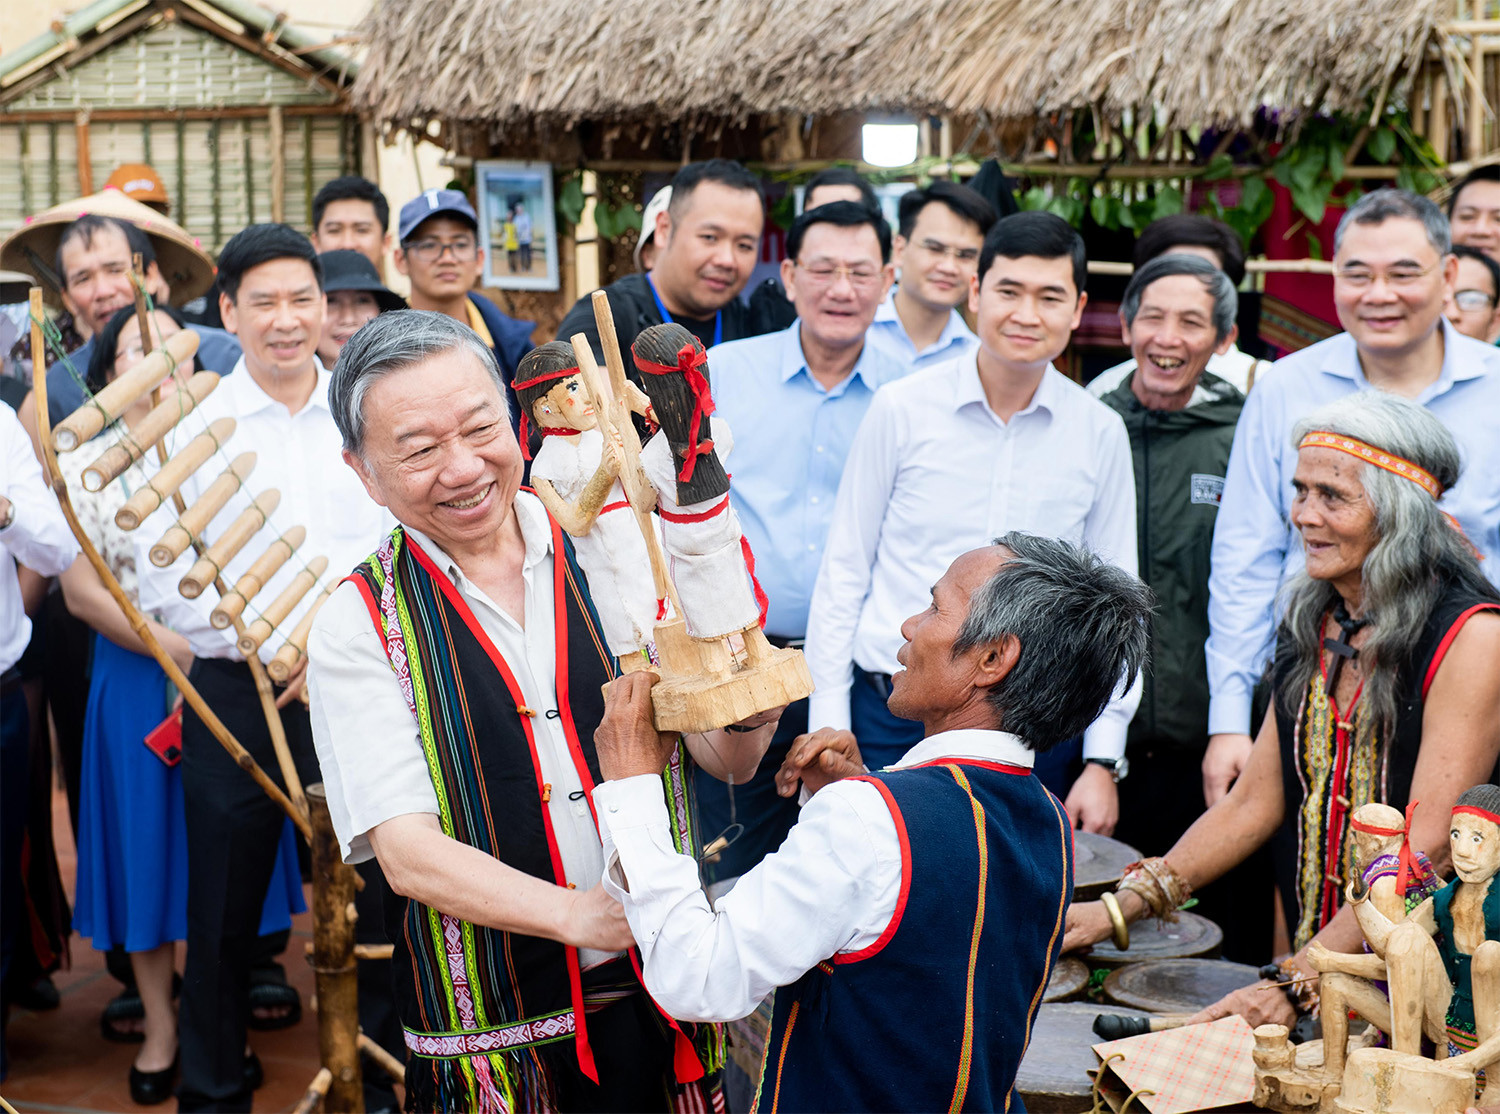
(658, 204)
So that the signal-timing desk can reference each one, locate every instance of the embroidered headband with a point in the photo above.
(1395, 465)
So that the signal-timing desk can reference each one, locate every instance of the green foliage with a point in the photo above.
(570, 199)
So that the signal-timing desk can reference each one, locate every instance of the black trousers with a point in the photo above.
(232, 830)
(15, 767)
(377, 996)
(633, 1054)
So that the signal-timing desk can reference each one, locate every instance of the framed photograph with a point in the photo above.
(517, 225)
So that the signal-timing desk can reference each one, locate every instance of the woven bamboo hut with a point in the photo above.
(241, 114)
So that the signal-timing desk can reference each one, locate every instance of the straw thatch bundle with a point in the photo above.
(534, 67)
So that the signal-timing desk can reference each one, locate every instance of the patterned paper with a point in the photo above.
(1196, 1067)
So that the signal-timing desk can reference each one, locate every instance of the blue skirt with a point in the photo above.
(132, 837)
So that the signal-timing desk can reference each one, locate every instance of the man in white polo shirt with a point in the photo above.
(955, 454)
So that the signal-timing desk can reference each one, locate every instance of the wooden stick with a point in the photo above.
(211, 564)
(393, 1067)
(123, 392)
(260, 630)
(333, 959)
(132, 614)
(232, 603)
(193, 521)
(374, 951)
(149, 430)
(316, 1090)
(295, 648)
(171, 476)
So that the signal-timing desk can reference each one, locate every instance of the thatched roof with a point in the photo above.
(541, 66)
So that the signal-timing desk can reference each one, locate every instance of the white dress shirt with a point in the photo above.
(831, 888)
(934, 473)
(888, 336)
(1255, 546)
(368, 745)
(298, 455)
(1233, 367)
(37, 537)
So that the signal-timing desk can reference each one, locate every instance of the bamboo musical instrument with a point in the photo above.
(193, 521)
(250, 642)
(207, 568)
(231, 604)
(284, 663)
(124, 392)
(151, 429)
(170, 476)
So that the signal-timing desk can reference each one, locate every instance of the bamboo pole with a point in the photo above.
(278, 163)
(124, 391)
(316, 1090)
(1252, 266)
(291, 653)
(192, 522)
(1437, 119)
(1474, 130)
(210, 565)
(173, 474)
(132, 615)
(148, 431)
(250, 642)
(85, 163)
(232, 603)
(333, 959)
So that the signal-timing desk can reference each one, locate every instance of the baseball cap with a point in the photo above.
(138, 182)
(433, 203)
(658, 204)
(351, 270)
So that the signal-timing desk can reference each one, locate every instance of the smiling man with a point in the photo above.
(1393, 272)
(1474, 210)
(993, 440)
(1473, 307)
(909, 923)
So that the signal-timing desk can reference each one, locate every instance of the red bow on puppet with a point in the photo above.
(689, 359)
(1407, 857)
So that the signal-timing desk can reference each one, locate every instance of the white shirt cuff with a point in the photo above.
(1105, 740)
(1229, 714)
(829, 709)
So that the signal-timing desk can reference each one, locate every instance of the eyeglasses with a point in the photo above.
(860, 276)
(430, 251)
(1472, 299)
(940, 250)
(1361, 277)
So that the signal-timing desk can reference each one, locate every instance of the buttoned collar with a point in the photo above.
(250, 398)
(536, 532)
(969, 390)
(1463, 358)
(954, 329)
(794, 361)
(987, 746)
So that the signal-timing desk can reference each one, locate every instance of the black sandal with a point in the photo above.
(269, 990)
(124, 1006)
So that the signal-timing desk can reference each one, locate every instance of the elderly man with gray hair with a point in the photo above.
(456, 683)
(1393, 269)
(1177, 314)
(910, 921)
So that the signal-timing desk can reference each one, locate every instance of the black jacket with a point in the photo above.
(1180, 458)
(635, 310)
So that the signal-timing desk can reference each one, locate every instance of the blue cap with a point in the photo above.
(434, 203)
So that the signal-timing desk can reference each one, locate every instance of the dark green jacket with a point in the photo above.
(1180, 457)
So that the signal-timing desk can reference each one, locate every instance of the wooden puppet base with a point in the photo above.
(1291, 1080)
(703, 686)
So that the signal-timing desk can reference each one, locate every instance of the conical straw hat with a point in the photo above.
(32, 248)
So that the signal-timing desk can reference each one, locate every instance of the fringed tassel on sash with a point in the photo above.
(495, 1083)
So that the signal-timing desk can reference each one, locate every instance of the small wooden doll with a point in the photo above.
(576, 474)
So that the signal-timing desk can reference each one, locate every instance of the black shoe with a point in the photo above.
(254, 1074)
(150, 1088)
(121, 1009)
(39, 996)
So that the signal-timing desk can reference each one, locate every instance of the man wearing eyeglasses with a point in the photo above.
(794, 399)
(441, 254)
(1474, 306)
(942, 228)
(1393, 271)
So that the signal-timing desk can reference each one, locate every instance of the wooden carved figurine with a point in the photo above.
(576, 473)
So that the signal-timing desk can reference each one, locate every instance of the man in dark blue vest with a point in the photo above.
(910, 922)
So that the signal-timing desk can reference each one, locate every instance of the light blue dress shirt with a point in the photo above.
(888, 335)
(1255, 547)
(790, 440)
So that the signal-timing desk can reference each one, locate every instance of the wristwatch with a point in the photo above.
(1119, 768)
(10, 515)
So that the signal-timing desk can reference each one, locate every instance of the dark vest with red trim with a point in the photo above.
(493, 782)
(936, 1014)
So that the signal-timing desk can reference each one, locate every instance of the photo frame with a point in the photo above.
(518, 226)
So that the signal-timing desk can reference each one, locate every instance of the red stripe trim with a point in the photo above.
(718, 510)
(617, 505)
(545, 377)
(998, 767)
(895, 921)
(369, 598)
(1475, 810)
(561, 684)
(1442, 650)
(575, 983)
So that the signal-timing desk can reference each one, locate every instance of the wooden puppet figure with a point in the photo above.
(711, 564)
(576, 474)
(1395, 879)
(1444, 959)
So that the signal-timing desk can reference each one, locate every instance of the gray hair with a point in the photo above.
(1379, 206)
(395, 341)
(1419, 553)
(1214, 280)
(1082, 626)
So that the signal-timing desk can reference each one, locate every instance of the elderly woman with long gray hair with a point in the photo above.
(1386, 688)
